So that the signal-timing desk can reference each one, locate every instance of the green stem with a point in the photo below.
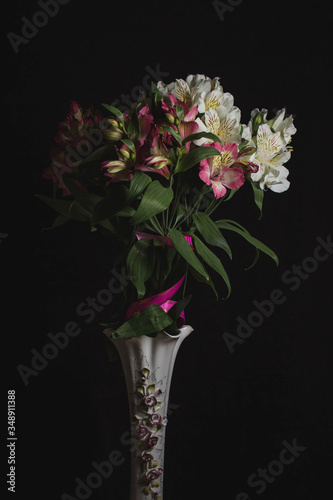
(175, 203)
(213, 206)
(195, 206)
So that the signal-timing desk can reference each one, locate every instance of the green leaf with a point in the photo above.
(196, 156)
(114, 111)
(64, 207)
(212, 260)
(126, 212)
(101, 154)
(150, 320)
(201, 279)
(130, 144)
(237, 228)
(138, 184)
(199, 135)
(185, 250)
(175, 313)
(173, 133)
(155, 200)
(210, 232)
(229, 195)
(58, 221)
(110, 204)
(158, 96)
(140, 264)
(180, 112)
(258, 196)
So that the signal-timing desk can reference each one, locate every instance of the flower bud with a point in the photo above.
(113, 135)
(257, 120)
(170, 117)
(113, 122)
(126, 154)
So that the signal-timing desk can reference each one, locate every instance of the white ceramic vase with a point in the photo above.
(148, 365)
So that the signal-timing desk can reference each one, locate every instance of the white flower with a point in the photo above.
(164, 89)
(214, 100)
(284, 125)
(276, 180)
(270, 156)
(222, 122)
(247, 136)
(189, 90)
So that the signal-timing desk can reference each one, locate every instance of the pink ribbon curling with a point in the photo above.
(161, 299)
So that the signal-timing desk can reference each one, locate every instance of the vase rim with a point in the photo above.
(185, 329)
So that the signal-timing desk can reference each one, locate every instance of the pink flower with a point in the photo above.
(77, 125)
(77, 137)
(187, 125)
(158, 161)
(146, 121)
(218, 172)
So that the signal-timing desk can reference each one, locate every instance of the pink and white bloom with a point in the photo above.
(188, 124)
(218, 172)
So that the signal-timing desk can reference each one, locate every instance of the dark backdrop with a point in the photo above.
(231, 412)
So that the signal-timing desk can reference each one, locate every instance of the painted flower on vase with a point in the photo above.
(146, 456)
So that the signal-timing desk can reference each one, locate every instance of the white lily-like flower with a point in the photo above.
(270, 156)
(221, 122)
(190, 89)
(276, 180)
(284, 125)
(246, 135)
(214, 100)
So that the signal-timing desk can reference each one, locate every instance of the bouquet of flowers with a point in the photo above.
(153, 178)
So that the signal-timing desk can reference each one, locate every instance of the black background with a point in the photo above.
(231, 412)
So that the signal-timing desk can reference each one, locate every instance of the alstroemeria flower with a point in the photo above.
(284, 125)
(146, 120)
(77, 125)
(187, 125)
(218, 172)
(221, 122)
(270, 156)
(121, 169)
(158, 160)
(187, 91)
(214, 100)
(276, 180)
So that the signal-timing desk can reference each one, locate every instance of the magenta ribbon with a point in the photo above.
(161, 299)
(164, 240)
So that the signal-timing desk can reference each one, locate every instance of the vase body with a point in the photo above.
(148, 365)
